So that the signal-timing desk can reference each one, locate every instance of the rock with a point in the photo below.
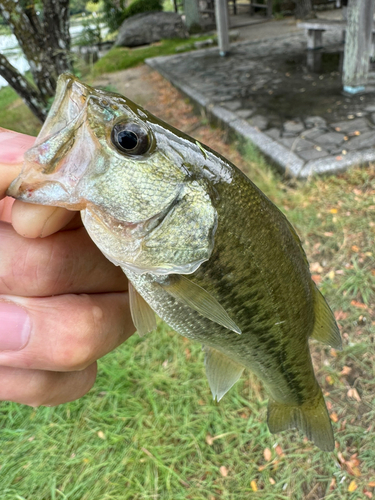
(150, 27)
(233, 105)
(203, 43)
(365, 140)
(293, 127)
(259, 121)
(245, 113)
(330, 139)
(351, 126)
(312, 154)
(315, 121)
(274, 133)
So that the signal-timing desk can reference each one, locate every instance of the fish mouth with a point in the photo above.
(50, 174)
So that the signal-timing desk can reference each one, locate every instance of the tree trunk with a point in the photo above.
(358, 45)
(304, 9)
(45, 41)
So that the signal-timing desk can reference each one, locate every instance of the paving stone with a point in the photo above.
(274, 133)
(312, 154)
(312, 133)
(315, 121)
(373, 117)
(303, 144)
(293, 126)
(366, 140)
(370, 108)
(259, 121)
(330, 139)
(245, 113)
(360, 124)
(233, 105)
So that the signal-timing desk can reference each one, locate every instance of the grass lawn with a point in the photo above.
(149, 428)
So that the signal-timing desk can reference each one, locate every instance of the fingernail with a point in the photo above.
(15, 326)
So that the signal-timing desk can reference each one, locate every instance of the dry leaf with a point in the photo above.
(352, 486)
(101, 435)
(334, 417)
(279, 450)
(267, 454)
(371, 484)
(353, 394)
(346, 370)
(340, 314)
(315, 267)
(332, 484)
(360, 305)
(253, 485)
(272, 481)
(329, 234)
(329, 380)
(333, 210)
(223, 471)
(316, 278)
(209, 439)
(368, 494)
(338, 158)
(355, 248)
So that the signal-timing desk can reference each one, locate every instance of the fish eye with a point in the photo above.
(130, 138)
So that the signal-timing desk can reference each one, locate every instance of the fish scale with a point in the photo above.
(201, 245)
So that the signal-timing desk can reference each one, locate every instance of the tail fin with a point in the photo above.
(312, 419)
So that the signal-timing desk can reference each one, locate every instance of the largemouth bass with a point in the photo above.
(201, 245)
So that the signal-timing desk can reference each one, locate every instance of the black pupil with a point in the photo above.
(127, 139)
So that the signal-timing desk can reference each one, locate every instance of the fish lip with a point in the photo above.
(32, 192)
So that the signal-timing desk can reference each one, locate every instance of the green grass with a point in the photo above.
(15, 115)
(119, 58)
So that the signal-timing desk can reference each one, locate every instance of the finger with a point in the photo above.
(37, 387)
(12, 148)
(64, 333)
(66, 262)
(33, 221)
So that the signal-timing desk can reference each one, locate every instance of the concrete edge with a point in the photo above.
(290, 164)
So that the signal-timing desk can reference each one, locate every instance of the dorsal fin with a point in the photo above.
(325, 327)
(142, 315)
(222, 373)
(195, 297)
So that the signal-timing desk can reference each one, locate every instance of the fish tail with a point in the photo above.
(311, 418)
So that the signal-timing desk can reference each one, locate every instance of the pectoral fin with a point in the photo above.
(142, 315)
(325, 328)
(195, 297)
(222, 373)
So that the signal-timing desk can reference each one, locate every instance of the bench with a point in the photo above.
(316, 27)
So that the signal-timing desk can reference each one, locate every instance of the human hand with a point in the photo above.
(63, 305)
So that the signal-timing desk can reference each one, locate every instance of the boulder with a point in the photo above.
(149, 27)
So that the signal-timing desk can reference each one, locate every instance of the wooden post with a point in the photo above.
(222, 25)
(358, 45)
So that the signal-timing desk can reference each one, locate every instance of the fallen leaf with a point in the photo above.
(340, 314)
(360, 305)
(101, 435)
(187, 353)
(371, 484)
(271, 480)
(357, 132)
(334, 417)
(368, 494)
(355, 248)
(338, 158)
(338, 129)
(279, 450)
(332, 484)
(352, 486)
(315, 267)
(316, 278)
(329, 380)
(209, 440)
(346, 370)
(223, 471)
(353, 394)
(253, 485)
(267, 454)
(328, 234)
(333, 210)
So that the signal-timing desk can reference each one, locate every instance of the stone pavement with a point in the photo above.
(292, 109)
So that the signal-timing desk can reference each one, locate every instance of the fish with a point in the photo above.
(202, 247)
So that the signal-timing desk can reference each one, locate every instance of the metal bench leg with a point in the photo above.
(314, 39)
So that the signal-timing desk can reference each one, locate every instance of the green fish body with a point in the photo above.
(201, 245)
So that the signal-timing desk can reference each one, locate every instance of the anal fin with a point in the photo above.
(142, 315)
(325, 327)
(222, 373)
(310, 418)
(195, 297)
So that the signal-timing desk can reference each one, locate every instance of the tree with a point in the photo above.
(45, 40)
(304, 9)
